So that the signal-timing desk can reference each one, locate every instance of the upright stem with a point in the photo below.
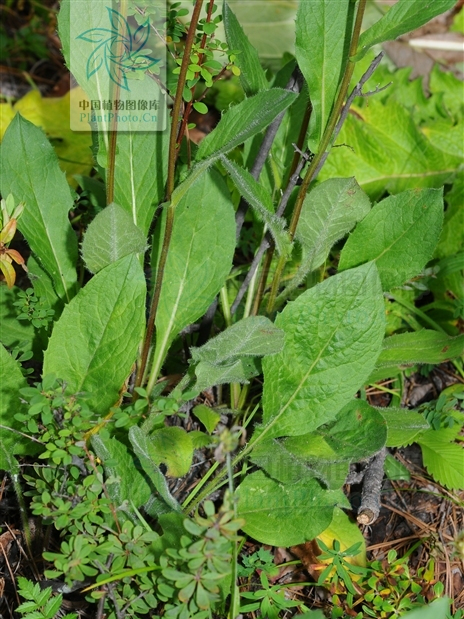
(325, 142)
(178, 99)
(169, 189)
(115, 88)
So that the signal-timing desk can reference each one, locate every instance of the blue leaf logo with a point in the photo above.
(118, 50)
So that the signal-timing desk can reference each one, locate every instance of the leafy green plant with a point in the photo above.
(41, 603)
(307, 314)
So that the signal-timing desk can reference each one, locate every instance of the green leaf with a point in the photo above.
(30, 171)
(43, 285)
(251, 336)
(302, 457)
(260, 201)
(329, 212)
(403, 426)
(94, 344)
(12, 381)
(12, 330)
(111, 236)
(438, 609)
(128, 484)
(174, 447)
(382, 146)
(424, 346)
(208, 417)
(323, 31)
(399, 234)
(245, 120)
(395, 470)
(252, 75)
(443, 459)
(236, 371)
(270, 26)
(404, 16)
(285, 515)
(199, 260)
(333, 336)
(358, 432)
(146, 452)
(140, 174)
(452, 236)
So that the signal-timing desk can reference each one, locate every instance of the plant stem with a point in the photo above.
(115, 89)
(171, 208)
(179, 95)
(325, 143)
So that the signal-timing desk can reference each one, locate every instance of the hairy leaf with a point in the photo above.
(260, 201)
(245, 120)
(323, 32)
(403, 426)
(251, 336)
(333, 336)
(235, 371)
(146, 453)
(128, 484)
(94, 344)
(399, 234)
(252, 75)
(424, 346)
(111, 236)
(285, 515)
(404, 16)
(30, 171)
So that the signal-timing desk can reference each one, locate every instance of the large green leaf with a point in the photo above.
(333, 336)
(329, 212)
(323, 32)
(94, 344)
(260, 201)
(30, 171)
(111, 236)
(10, 404)
(399, 234)
(245, 120)
(426, 346)
(439, 609)
(141, 170)
(127, 486)
(404, 16)
(285, 515)
(147, 455)
(199, 259)
(384, 149)
(252, 336)
(252, 75)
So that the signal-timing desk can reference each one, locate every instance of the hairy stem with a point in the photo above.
(324, 145)
(113, 137)
(169, 189)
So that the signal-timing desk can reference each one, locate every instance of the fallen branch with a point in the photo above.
(370, 499)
